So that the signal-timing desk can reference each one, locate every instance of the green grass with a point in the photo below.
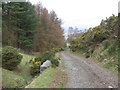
(43, 80)
(11, 80)
(20, 76)
(25, 67)
(107, 57)
(26, 59)
(50, 78)
(103, 57)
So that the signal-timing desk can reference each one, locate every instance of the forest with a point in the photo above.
(31, 27)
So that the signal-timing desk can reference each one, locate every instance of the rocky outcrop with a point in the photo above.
(45, 65)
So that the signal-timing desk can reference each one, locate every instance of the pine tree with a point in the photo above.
(20, 19)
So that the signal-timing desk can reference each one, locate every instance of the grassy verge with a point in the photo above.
(18, 77)
(11, 80)
(50, 78)
(60, 79)
(107, 57)
(43, 80)
(107, 62)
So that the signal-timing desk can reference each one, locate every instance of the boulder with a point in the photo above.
(45, 65)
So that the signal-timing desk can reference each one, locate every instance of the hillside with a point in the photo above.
(100, 43)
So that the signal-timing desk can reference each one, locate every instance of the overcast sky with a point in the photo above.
(81, 13)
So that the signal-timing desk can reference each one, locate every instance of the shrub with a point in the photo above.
(106, 44)
(10, 58)
(112, 49)
(45, 56)
(54, 62)
(35, 67)
(57, 56)
(41, 59)
(61, 49)
(87, 55)
(100, 35)
(48, 55)
(55, 50)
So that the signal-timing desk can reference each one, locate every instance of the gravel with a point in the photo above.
(84, 73)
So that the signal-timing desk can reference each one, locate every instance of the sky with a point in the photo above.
(81, 13)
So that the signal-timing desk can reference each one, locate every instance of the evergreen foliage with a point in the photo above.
(10, 58)
(30, 27)
(19, 23)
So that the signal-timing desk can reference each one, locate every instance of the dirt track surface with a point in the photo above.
(84, 73)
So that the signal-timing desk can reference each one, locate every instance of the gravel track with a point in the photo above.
(84, 73)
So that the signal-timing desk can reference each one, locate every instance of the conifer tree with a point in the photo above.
(19, 19)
